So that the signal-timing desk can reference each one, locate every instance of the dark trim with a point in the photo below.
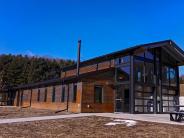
(132, 86)
(31, 98)
(118, 54)
(67, 105)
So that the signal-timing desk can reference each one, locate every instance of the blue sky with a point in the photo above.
(52, 27)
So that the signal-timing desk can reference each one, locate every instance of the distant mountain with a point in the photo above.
(18, 69)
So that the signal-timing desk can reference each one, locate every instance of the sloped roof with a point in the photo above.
(168, 45)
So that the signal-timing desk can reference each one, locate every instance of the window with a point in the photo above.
(139, 71)
(45, 96)
(169, 76)
(74, 93)
(165, 75)
(123, 73)
(149, 54)
(98, 94)
(53, 94)
(63, 95)
(169, 99)
(38, 98)
(149, 73)
(173, 78)
(122, 60)
(143, 98)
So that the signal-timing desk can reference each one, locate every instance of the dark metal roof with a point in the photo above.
(122, 52)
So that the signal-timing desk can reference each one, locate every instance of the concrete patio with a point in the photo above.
(158, 118)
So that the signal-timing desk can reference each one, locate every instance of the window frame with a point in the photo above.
(53, 94)
(45, 95)
(101, 101)
(63, 94)
(38, 98)
(74, 97)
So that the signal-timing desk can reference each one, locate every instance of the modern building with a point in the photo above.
(140, 79)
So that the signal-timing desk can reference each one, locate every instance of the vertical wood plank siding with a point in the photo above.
(57, 105)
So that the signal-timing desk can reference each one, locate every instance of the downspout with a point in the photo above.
(77, 74)
(31, 98)
(78, 58)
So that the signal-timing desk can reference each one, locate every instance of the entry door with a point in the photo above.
(119, 99)
(122, 98)
(126, 100)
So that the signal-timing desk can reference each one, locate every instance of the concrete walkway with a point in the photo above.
(41, 118)
(158, 118)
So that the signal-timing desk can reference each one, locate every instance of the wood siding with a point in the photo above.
(89, 68)
(32, 101)
(181, 89)
(88, 104)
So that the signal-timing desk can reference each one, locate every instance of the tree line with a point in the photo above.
(17, 69)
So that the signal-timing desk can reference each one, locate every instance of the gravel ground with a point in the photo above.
(14, 112)
(90, 127)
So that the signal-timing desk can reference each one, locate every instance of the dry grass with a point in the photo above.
(15, 112)
(90, 127)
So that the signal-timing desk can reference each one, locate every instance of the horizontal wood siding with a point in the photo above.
(88, 104)
(89, 68)
(181, 89)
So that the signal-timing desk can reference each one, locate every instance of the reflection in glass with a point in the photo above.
(165, 75)
(149, 54)
(138, 109)
(173, 77)
(149, 72)
(123, 73)
(122, 60)
(139, 71)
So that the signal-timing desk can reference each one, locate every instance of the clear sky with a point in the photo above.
(52, 27)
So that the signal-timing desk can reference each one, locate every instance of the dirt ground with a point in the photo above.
(90, 127)
(15, 112)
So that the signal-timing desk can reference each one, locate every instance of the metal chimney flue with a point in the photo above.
(78, 56)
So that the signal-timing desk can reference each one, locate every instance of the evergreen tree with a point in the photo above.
(16, 70)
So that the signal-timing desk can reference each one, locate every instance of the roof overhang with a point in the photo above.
(170, 47)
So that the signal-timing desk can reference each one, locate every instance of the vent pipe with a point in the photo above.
(78, 56)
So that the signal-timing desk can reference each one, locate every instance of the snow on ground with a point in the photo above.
(128, 123)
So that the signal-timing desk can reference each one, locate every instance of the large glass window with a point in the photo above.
(173, 77)
(143, 98)
(122, 60)
(169, 100)
(165, 75)
(123, 73)
(149, 54)
(169, 76)
(139, 70)
(149, 72)
(98, 94)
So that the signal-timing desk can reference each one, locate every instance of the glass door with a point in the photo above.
(122, 98)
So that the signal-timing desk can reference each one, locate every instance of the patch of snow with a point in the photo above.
(128, 123)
